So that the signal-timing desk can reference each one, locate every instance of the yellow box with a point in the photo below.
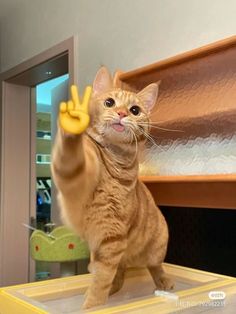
(195, 292)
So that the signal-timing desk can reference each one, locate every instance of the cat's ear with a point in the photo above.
(116, 80)
(148, 95)
(102, 82)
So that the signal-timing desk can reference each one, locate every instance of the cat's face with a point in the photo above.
(119, 116)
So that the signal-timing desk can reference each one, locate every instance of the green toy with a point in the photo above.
(61, 245)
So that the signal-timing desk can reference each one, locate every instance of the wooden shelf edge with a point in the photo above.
(189, 178)
(180, 58)
(209, 191)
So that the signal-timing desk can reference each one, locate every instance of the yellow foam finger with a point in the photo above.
(75, 95)
(70, 105)
(73, 116)
(63, 107)
(75, 113)
(87, 95)
(84, 122)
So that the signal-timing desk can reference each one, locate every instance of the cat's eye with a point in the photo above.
(109, 102)
(135, 110)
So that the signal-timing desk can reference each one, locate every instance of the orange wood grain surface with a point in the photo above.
(193, 191)
(197, 86)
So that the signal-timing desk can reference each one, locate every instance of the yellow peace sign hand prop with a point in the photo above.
(73, 116)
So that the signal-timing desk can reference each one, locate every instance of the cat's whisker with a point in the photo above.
(153, 137)
(149, 137)
(136, 143)
(131, 136)
(115, 159)
(159, 128)
(155, 122)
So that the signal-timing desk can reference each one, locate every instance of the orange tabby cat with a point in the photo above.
(100, 195)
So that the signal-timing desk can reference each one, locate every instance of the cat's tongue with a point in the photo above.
(118, 127)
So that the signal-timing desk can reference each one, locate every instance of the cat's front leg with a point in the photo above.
(105, 265)
(162, 281)
(74, 161)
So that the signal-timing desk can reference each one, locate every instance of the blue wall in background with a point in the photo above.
(43, 91)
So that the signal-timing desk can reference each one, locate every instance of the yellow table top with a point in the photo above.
(195, 292)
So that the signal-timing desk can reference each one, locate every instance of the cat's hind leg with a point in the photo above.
(118, 280)
(161, 280)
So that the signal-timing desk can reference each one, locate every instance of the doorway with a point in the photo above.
(46, 207)
(19, 155)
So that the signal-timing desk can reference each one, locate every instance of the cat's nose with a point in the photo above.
(122, 114)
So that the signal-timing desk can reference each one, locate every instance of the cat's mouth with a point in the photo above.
(118, 127)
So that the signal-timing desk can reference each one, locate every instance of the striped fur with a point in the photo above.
(102, 199)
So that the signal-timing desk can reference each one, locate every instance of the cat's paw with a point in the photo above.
(92, 302)
(73, 115)
(165, 283)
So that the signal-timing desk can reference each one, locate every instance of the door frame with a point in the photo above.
(16, 84)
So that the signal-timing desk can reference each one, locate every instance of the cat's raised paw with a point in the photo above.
(73, 115)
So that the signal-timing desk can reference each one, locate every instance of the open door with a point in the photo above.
(59, 93)
(18, 175)
(44, 212)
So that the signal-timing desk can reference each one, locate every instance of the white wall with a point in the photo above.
(121, 34)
